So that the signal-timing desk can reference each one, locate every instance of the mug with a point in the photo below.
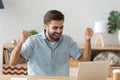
(116, 74)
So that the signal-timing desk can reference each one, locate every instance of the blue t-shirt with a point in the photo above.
(46, 59)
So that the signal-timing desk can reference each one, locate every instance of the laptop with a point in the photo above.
(93, 70)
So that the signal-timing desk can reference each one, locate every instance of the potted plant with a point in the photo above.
(33, 32)
(113, 22)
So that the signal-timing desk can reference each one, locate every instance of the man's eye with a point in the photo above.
(61, 27)
(55, 28)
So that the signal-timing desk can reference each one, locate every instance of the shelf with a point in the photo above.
(19, 69)
(107, 47)
(73, 63)
(8, 45)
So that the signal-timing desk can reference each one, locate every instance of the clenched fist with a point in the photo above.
(24, 35)
(88, 33)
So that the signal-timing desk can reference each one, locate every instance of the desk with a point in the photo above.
(109, 79)
(8, 77)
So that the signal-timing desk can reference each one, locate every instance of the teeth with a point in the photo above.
(57, 34)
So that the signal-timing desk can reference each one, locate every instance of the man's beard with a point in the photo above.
(53, 37)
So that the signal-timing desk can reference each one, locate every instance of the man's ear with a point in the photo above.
(45, 26)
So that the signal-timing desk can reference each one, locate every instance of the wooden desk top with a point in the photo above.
(8, 77)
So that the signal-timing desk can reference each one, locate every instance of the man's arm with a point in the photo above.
(15, 55)
(86, 56)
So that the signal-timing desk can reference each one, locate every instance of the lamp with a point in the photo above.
(1, 5)
(100, 27)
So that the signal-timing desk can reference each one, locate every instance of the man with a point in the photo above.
(48, 52)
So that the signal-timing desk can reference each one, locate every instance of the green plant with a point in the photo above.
(113, 21)
(33, 32)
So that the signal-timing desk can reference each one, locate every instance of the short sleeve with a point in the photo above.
(75, 52)
(26, 49)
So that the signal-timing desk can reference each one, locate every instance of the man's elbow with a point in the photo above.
(82, 58)
(12, 63)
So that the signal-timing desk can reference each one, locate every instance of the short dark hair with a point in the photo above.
(53, 15)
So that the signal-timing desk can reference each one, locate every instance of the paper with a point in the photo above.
(47, 79)
(18, 78)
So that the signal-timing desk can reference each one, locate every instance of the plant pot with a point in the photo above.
(119, 37)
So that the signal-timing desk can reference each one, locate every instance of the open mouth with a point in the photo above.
(57, 35)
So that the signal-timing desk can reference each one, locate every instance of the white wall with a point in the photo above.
(79, 14)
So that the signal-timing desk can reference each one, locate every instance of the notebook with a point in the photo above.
(93, 70)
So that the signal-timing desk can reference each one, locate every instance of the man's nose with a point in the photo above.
(59, 30)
